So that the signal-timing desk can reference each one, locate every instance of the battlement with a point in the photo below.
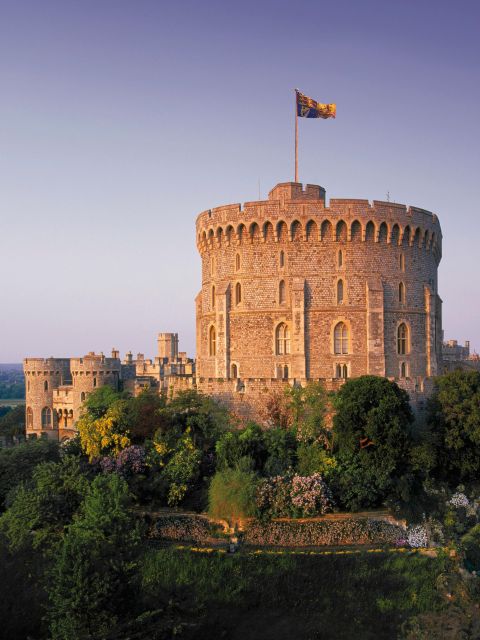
(45, 365)
(293, 213)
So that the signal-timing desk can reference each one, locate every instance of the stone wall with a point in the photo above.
(279, 262)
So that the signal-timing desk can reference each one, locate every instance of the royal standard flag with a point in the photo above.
(308, 108)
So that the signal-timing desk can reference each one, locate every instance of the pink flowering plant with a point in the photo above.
(293, 496)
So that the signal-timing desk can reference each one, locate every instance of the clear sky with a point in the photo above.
(121, 121)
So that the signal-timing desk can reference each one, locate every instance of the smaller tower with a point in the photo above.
(167, 346)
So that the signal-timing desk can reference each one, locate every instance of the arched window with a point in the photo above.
(82, 396)
(402, 339)
(282, 339)
(282, 258)
(234, 371)
(212, 266)
(401, 293)
(340, 258)
(401, 262)
(45, 385)
(237, 262)
(29, 418)
(238, 293)
(340, 292)
(281, 292)
(403, 370)
(285, 372)
(212, 341)
(46, 418)
(213, 297)
(340, 338)
(94, 382)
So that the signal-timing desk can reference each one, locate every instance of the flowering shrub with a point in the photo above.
(323, 532)
(107, 464)
(189, 527)
(417, 536)
(310, 495)
(132, 460)
(459, 500)
(293, 495)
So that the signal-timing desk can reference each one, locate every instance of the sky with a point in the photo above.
(121, 121)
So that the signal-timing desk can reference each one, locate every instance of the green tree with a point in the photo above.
(454, 422)
(17, 463)
(281, 446)
(372, 441)
(12, 422)
(90, 584)
(242, 448)
(43, 506)
(309, 407)
(232, 494)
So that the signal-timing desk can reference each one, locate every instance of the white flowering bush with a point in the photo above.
(417, 536)
(459, 500)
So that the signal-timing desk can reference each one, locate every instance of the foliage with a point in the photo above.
(281, 451)
(42, 507)
(314, 533)
(90, 584)
(183, 527)
(454, 418)
(471, 547)
(287, 596)
(108, 433)
(12, 422)
(276, 410)
(131, 460)
(293, 495)
(314, 458)
(242, 448)
(309, 406)
(372, 442)
(232, 494)
(17, 463)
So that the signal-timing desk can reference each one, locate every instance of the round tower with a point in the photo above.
(295, 289)
(92, 372)
(42, 376)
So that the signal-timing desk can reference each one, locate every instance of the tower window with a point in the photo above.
(212, 266)
(281, 292)
(401, 262)
(238, 293)
(45, 385)
(94, 382)
(401, 293)
(341, 371)
(46, 417)
(82, 396)
(340, 338)
(212, 341)
(340, 292)
(402, 339)
(234, 371)
(285, 372)
(237, 262)
(340, 258)
(282, 258)
(282, 339)
(213, 297)
(29, 417)
(403, 370)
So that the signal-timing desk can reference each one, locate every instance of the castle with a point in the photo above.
(292, 291)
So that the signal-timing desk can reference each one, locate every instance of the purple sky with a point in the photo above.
(120, 121)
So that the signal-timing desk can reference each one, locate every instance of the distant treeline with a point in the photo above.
(12, 383)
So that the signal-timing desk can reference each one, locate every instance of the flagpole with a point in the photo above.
(296, 138)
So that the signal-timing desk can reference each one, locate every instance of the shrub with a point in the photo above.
(471, 547)
(232, 494)
(293, 495)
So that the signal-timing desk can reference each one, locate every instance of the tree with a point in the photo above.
(17, 463)
(232, 494)
(454, 422)
(108, 433)
(242, 448)
(372, 441)
(90, 584)
(42, 507)
(12, 422)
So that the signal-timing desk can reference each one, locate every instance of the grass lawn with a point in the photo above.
(295, 597)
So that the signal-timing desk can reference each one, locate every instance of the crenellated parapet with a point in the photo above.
(292, 214)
